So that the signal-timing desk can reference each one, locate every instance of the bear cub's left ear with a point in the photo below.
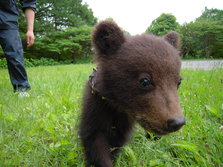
(107, 38)
(173, 39)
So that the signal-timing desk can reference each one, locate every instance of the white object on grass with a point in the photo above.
(23, 94)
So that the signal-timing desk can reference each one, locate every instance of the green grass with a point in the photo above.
(42, 130)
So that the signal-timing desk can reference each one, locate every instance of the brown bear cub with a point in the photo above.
(136, 80)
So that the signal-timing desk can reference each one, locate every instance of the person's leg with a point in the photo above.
(12, 47)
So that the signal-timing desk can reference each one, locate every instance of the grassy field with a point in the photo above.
(42, 130)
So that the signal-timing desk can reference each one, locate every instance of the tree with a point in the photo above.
(211, 14)
(72, 44)
(163, 24)
(62, 29)
(57, 15)
(204, 37)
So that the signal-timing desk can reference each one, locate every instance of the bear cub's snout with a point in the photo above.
(175, 124)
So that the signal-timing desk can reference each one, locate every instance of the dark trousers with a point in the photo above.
(11, 44)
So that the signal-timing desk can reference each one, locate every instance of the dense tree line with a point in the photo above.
(63, 31)
(202, 38)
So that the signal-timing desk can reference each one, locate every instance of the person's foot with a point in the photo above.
(23, 94)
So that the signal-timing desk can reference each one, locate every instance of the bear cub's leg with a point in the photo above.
(103, 130)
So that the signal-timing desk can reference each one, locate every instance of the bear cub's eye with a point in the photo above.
(145, 81)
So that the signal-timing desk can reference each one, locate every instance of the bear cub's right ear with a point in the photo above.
(107, 38)
(173, 38)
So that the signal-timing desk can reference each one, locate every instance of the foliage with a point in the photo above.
(3, 64)
(42, 130)
(204, 37)
(62, 14)
(62, 30)
(163, 24)
(211, 14)
(57, 15)
(71, 44)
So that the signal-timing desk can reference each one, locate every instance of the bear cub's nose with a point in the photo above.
(175, 124)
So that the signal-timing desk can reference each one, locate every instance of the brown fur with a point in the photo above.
(139, 76)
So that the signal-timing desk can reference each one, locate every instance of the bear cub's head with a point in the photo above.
(140, 75)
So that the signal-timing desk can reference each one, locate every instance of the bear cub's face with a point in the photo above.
(140, 74)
